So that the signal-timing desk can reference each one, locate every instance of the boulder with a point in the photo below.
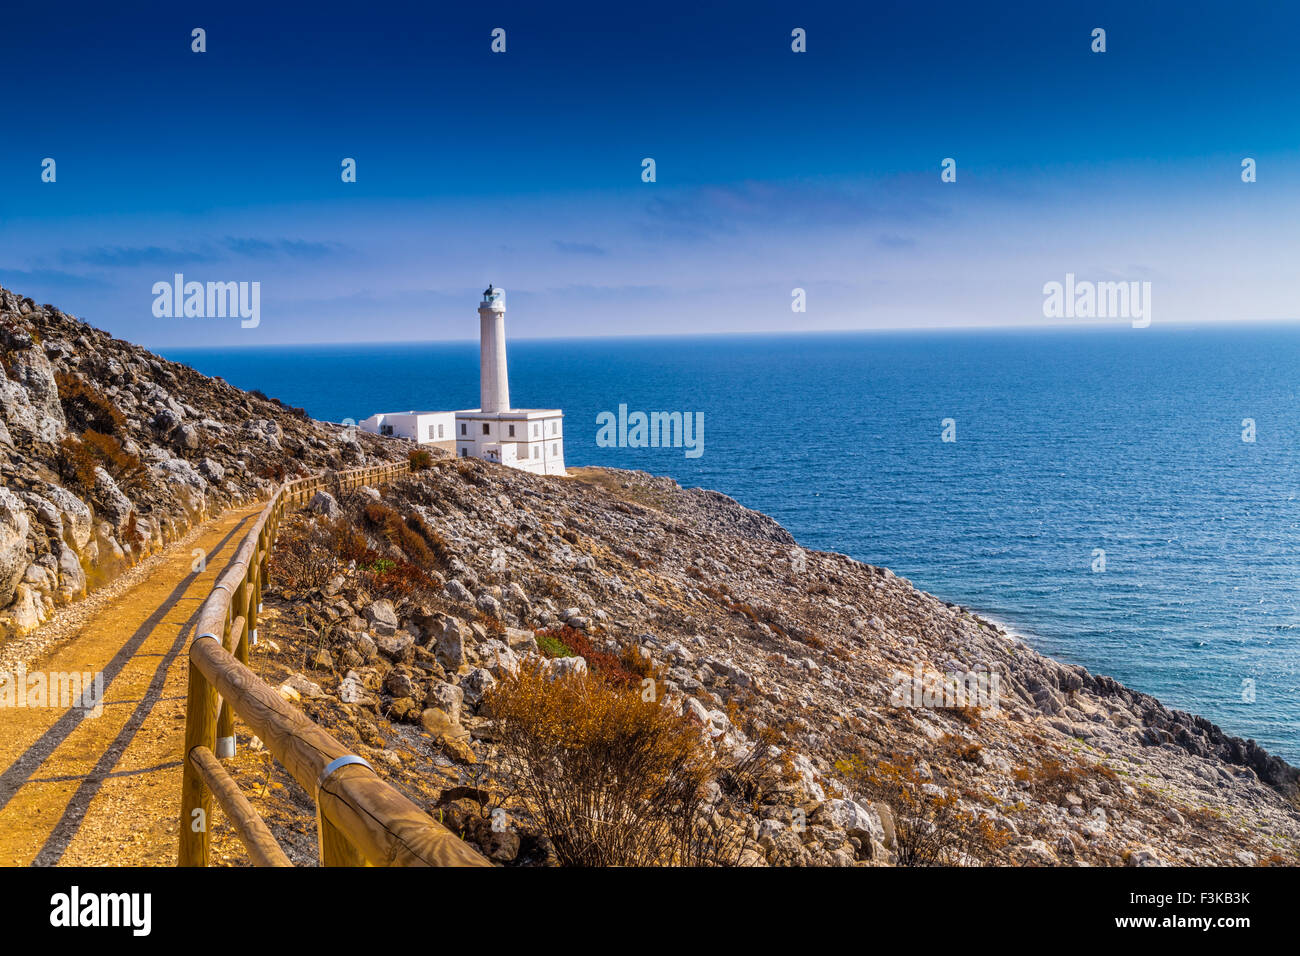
(14, 525)
(382, 617)
(458, 592)
(399, 684)
(521, 641)
(398, 647)
(489, 605)
(211, 470)
(498, 658)
(455, 638)
(854, 819)
(477, 683)
(557, 667)
(448, 734)
(446, 697)
(75, 514)
(298, 686)
(324, 503)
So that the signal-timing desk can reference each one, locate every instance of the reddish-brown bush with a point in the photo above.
(85, 407)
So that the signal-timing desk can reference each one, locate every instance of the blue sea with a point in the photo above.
(1069, 443)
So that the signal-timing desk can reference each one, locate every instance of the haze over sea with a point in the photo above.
(1068, 441)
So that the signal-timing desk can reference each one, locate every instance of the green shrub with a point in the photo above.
(551, 646)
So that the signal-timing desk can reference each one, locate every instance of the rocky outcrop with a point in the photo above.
(179, 447)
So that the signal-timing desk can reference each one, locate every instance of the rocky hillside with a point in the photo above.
(107, 452)
(807, 658)
(820, 694)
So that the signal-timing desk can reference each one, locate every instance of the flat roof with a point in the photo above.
(411, 413)
(512, 413)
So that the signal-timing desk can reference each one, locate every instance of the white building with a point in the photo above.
(530, 439)
(427, 428)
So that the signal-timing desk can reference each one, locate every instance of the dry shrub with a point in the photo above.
(399, 579)
(929, 830)
(411, 543)
(615, 780)
(132, 534)
(79, 457)
(127, 470)
(85, 407)
(968, 715)
(297, 562)
(420, 459)
(1052, 779)
(437, 544)
(77, 463)
(341, 538)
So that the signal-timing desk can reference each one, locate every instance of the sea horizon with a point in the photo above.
(1033, 327)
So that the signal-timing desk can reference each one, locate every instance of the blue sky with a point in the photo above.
(775, 170)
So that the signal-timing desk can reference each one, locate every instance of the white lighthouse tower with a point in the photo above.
(530, 439)
(494, 383)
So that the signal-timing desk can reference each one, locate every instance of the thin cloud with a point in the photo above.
(579, 248)
(709, 211)
(21, 282)
(892, 241)
(275, 248)
(115, 257)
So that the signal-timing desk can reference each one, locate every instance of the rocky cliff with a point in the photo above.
(108, 452)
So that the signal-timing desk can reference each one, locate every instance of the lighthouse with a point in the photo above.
(530, 439)
(494, 384)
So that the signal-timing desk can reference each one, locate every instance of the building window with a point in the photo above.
(555, 449)
(485, 429)
(430, 433)
(512, 431)
(537, 451)
(555, 428)
(385, 429)
(464, 452)
(463, 426)
(534, 431)
(440, 427)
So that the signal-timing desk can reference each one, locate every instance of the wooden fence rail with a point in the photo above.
(360, 819)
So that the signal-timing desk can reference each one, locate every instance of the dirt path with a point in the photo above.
(88, 790)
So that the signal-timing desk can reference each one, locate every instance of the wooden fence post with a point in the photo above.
(196, 800)
(225, 742)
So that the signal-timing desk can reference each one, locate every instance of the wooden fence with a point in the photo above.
(360, 819)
